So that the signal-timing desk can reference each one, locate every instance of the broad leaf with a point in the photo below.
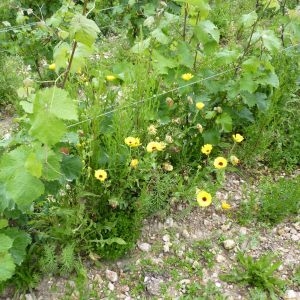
(225, 121)
(141, 46)
(71, 167)
(248, 20)
(184, 55)
(55, 101)
(61, 54)
(5, 243)
(161, 64)
(206, 32)
(47, 128)
(33, 165)
(160, 36)
(82, 52)
(7, 266)
(84, 30)
(21, 240)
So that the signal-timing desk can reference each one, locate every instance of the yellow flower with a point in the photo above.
(134, 163)
(110, 77)
(220, 162)
(152, 130)
(101, 175)
(225, 205)
(52, 67)
(234, 160)
(206, 149)
(132, 142)
(237, 137)
(187, 76)
(155, 146)
(199, 127)
(200, 105)
(204, 198)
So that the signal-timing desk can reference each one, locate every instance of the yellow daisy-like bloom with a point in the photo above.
(200, 105)
(52, 67)
(134, 163)
(187, 76)
(204, 198)
(110, 77)
(101, 175)
(234, 160)
(237, 137)
(225, 205)
(168, 167)
(220, 162)
(155, 146)
(132, 142)
(206, 149)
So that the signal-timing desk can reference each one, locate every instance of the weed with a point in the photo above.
(257, 273)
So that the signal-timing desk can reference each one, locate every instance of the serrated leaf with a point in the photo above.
(226, 56)
(248, 84)
(57, 102)
(225, 121)
(84, 30)
(24, 188)
(27, 106)
(184, 55)
(61, 54)
(270, 41)
(141, 46)
(271, 4)
(33, 165)
(206, 32)
(21, 240)
(247, 20)
(160, 36)
(47, 128)
(5, 243)
(7, 266)
(200, 6)
(71, 167)
(211, 136)
(209, 115)
(82, 52)
(161, 64)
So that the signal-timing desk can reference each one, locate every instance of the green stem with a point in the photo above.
(184, 23)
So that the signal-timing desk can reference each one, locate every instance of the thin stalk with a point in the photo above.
(184, 22)
(73, 51)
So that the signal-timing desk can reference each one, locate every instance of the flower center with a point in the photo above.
(220, 163)
(204, 199)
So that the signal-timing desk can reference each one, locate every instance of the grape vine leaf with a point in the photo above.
(61, 54)
(84, 30)
(7, 266)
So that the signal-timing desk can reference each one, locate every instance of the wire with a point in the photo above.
(6, 29)
(150, 98)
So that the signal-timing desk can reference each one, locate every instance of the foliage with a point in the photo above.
(257, 273)
(273, 203)
(178, 87)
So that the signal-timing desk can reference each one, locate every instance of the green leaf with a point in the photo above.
(247, 20)
(271, 4)
(161, 64)
(33, 166)
(5, 243)
(55, 101)
(7, 266)
(258, 99)
(23, 188)
(248, 84)
(84, 30)
(270, 41)
(270, 79)
(211, 136)
(200, 6)
(160, 36)
(210, 115)
(184, 55)
(82, 52)
(47, 128)
(206, 32)
(116, 240)
(225, 56)
(71, 167)
(225, 121)
(141, 46)
(27, 106)
(61, 54)
(3, 223)
(21, 240)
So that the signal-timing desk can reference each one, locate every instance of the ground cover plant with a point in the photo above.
(125, 105)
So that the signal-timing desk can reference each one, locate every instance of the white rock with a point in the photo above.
(111, 275)
(195, 264)
(229, 244)
(111, 286)
(166, 248)
(180, 253)
(145, 247)
(291, 295)
(166, 238)
(220, 258)
(226, 227)
(295, 237)
(218, 284)
(243, 230)
(185, 233)
(169, 222)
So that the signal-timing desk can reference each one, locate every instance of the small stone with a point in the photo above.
(206, 223)
(180, 253)
(218, 284)
(124, 288)
(29, 297)
(169, 222)
(243, 230)
(295, 237)
(145, 247)
(166, 238)
(111, 275)
(111, 286)
(229, 244)
(153, 285)
(166, 248)
(290, 295)
(185, 233)
(220, 258)
(226, 227)
(195, 264)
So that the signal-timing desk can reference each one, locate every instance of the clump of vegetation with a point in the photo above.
(257, 273)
